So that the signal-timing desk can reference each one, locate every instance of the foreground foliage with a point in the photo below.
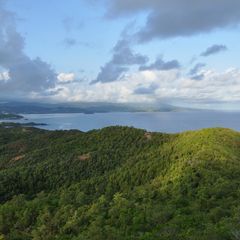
(119, 183)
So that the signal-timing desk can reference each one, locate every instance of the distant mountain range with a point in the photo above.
(82, 107)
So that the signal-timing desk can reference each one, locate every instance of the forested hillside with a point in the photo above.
(119, 183)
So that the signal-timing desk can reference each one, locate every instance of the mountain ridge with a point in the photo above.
(83, 107)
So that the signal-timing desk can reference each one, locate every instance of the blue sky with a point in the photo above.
(99, 46)
(43, 26)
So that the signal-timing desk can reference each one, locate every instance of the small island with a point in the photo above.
(10, 116)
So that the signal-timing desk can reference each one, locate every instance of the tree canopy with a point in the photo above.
(119, 183)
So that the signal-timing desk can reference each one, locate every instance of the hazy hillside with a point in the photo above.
(83, 107)
(119, 183)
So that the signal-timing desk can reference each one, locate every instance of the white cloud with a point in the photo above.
(4, 76)
(66, 77)
(215, 86)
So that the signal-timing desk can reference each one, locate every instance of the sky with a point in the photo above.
(181, 52)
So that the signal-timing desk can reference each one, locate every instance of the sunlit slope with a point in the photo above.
(119, 183)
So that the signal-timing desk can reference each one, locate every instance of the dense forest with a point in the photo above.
(119, 183)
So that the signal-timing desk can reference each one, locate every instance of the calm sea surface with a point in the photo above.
(170, 122)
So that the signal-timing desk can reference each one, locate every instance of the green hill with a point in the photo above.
(9, 116)
(119, 183)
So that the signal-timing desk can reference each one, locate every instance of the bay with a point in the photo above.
(169, 122)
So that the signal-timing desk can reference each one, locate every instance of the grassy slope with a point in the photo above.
(119, 183)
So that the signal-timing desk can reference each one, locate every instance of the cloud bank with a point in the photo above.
(25, 75)
(152, 86)
(174, 18)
